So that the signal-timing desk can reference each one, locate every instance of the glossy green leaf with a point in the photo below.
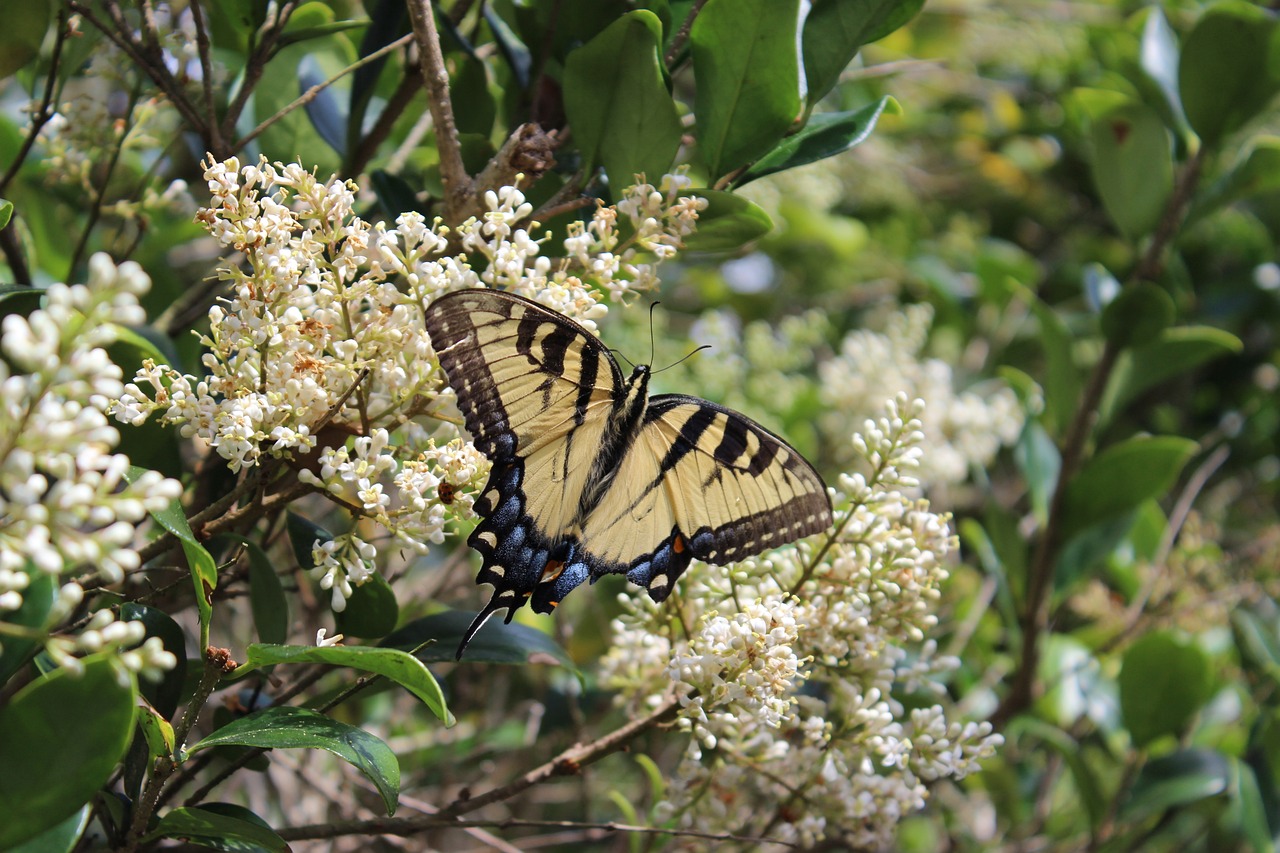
(1175, 352)
(1164, 680)
(748, 75)
(1138, 315)
(496, 642)
(6, 212)
(58, 839)
(617, 102)
(728, 222)
(37, 601)
(826, 135)
(399, 666)
(1257, 174)
(156, 729)
(836, 29)
(1159, 60)
(1228, 73)
(166, 693)
(1039, 460)
(1180, 779)
(63, 736)
(284, 727)
(212, 827)
(1086, 780)
(267, 600)
(326, 110)
(1121, 477)
(371, 611)
(303, 534)
(19, 299)
(1132, 167)
(204, 571)
(24, 29)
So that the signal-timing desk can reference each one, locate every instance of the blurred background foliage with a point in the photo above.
(1067, 184)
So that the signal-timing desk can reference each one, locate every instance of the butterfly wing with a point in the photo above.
(535, 390)
(700, 481)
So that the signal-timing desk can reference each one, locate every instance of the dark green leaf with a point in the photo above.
(400, 667)
(1123, 476)
(617, 102)
(166, 693)
(303, 534)
(1086, 781)
(266, 594)
(1138, 315)
(836, 29)
(748, 79)
(37, 600)
(1164, 681)
(204, 571)
(512, 49)
(63, 736)
(19, 299)
(1132, 167)
(497, 642)
(60, 839)
(1175, 353)
(728, 222)
(209, 827)
(1247, 812)
(1227, 74)
(474, 108)
(1180, 779)
(826, 135)
(371, 611)
(1084, 552)
(284, 727)
(24, 27)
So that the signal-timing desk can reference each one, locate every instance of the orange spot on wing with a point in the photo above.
(677, 544)
(552, 570)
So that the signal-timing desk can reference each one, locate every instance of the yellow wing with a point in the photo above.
(535, 390)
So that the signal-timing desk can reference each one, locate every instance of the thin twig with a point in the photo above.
(42, 115)
(677, 43)
(206, 75)
(457, 183)
(95, 210)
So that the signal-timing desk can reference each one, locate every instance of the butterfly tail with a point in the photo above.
(499, 601)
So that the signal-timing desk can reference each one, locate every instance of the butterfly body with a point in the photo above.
(590, 476)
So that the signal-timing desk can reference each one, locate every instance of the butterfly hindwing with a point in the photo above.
(703, 481)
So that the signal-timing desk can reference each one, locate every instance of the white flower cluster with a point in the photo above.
(65, 504)
(790, 669)
(322, 337)
(965, 429)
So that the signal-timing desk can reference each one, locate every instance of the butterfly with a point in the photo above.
(590, 475)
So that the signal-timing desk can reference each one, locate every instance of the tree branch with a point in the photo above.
(458, 187)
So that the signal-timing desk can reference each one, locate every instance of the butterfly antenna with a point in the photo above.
(620, 355)
(686, 358)
(651, 347)
(482, 617)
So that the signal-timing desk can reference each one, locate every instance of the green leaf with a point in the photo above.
(748, 78)
(166, 693)
(1039, 460)
(1257, 174)
(204, 571)
(284, 727)
(826, 135)
(497, 642)
(372, 610)
(25, 25)
(156, 729)
(728, 222)
(1257, 642)
(1123, 476)
(1227, 74)
(400, 667)
(266, 594)
(213, 827)
(64, 734)
(6, 212)
(1175, 352)
(617, 102)
(1132, 167)
(303, 534)
(37, 601)
(1061, 380)
(1084, 552)
(1138, 315)
(59, 839)
(1246, 811)
(1159, 61)
(1095, 803)
(836, 29)
(1164, 680)
(473, 104)
(1185, 777)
